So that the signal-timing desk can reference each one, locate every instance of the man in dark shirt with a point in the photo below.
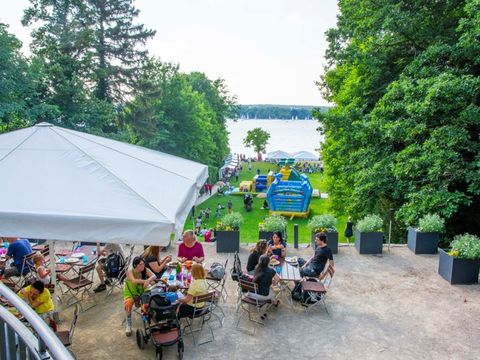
(17, 250)
(315, 265)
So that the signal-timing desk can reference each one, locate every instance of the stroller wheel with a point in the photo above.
(140, 339)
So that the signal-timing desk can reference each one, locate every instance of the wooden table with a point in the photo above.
(289, 272)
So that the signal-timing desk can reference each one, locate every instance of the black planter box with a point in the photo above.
(369, 242)
(422, 242)
(332, 241)
(227, 241)
(458, 271)
(267, 235)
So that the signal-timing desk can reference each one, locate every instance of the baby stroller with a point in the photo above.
(247, 202)
(161, 323)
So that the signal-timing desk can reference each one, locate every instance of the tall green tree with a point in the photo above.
(404, 131)
(21, 98)
(257, 139)
(169, 115)
(116, 53)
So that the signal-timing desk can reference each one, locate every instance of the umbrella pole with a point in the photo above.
(53, 277)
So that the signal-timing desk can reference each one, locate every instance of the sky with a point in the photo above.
(268, 51)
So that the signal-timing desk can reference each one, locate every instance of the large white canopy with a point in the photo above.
(62, 184)
(278, 155)
(305, 156)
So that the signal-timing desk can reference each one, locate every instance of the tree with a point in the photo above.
(404, 77)
(257, 139)
(21, 101)
(116, 56)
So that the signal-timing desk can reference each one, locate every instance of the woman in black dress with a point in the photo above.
(349, 229)
(255, 253)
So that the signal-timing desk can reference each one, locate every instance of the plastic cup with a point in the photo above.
(279, 269)
(62, 260)
(85, 259)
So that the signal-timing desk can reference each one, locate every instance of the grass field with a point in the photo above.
(249, 229)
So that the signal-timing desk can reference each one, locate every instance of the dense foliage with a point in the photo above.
(273, 223)
(404, 132)
(89, 71)
(370, 223)
(277, 112)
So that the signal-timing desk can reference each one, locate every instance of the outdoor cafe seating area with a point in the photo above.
(75, 265)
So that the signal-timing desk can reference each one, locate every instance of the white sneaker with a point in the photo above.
(128, 330)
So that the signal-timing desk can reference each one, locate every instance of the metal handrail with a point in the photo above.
(46, 337)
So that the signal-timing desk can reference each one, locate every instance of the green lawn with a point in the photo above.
(249, 229)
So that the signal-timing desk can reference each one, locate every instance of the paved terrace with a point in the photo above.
(393, 306)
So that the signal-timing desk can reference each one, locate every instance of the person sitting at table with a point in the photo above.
(39, 298)
(255, 253)
(198, 286)
(154, 262)
(17, 249)
(276, 246)
(264, 276)
(315, 265)
(102, 253)
(138, 278)
(43, 274)
(190, 248)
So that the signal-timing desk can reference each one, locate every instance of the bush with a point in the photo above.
(273, 223)
(323, 223)
(431, 223)
(466, 246)
(231, 221)
(370, 223)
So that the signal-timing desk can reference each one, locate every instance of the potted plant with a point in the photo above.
(424, 239)
(227, 233)
(461, 265)
(328, 224)
(270, 225)
(369, 235)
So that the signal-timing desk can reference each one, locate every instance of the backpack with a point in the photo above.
(299, 295)
(114, 264)
(217, 271)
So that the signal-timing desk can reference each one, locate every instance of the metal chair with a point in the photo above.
(201, 313)
(66, 336)
(79, 286)
(246, 302)
(316, 289)
(118, 281)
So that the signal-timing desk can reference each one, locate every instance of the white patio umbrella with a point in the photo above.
(62, 184)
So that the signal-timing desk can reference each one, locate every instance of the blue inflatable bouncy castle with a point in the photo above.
(290, 198)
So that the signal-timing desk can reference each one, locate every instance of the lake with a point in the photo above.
(286, 135)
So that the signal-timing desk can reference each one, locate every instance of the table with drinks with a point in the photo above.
(81, 256)
(178, 274)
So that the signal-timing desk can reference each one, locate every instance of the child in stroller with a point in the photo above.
(161, 324)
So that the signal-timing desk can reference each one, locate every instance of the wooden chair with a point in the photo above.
(246, 302)
(66, 336)
(79, 286)
(201, 313)
(316, 289)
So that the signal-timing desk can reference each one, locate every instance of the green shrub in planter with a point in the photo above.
(431, 223)
(424, 239)
(466, 246)
(227, 233)
(369, 235)
(370, 223)
(462, 264)
(273, 223)
(328, 224)
(231, 221)
(323, 223)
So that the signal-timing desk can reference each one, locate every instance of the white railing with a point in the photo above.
(17, 342)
